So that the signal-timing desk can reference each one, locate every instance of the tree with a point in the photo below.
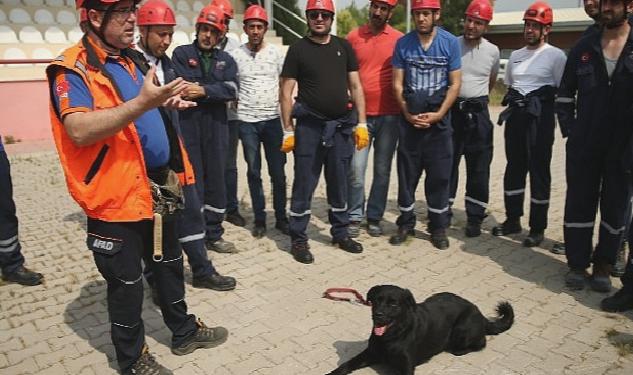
(453, 15)
(345, 22)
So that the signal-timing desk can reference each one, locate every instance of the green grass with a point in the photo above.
(497, 93)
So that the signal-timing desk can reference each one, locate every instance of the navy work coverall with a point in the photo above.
(595, 111)
(10, 255)
(320, 142)
(205, 127)
(529, 137)
(429, 150)
(472, 137)
(190, 220)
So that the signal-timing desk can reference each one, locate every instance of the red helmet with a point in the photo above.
(425, 4)
(539, 12)
(327, 5)
(226, 7)
(212, 15)
(255, 12)
(155, 12)
(480, 9)
(391, 3)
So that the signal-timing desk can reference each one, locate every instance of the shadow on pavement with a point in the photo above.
(87, 316)
(348, 349)
(77, 217)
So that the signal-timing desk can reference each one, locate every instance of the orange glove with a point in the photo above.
(288, 142)
(361, 136)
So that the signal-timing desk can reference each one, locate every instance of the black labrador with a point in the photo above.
(406, 334)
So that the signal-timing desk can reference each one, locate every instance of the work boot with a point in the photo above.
(283, 226)
(221, 246)
(534, 238)
(146, 365)
(510, 226)
(401, 236)
(473, 229)
(23, 276)
(301, 253)
(235, 218)
(373, 228)
(620, 261)
(600, 279)
(349, 245)
(215, 282)
(259, 230)
(558, 248)
(204, 337)
(439, 239)
(621, 301)
(353, 229)
(575, 279)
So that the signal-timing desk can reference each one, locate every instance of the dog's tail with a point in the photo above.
(503, 321)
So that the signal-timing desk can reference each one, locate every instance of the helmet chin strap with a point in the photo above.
(101, 31)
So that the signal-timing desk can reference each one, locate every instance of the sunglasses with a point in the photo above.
(314, 15)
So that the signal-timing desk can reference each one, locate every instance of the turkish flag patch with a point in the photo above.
(62, 89)
(193, 62)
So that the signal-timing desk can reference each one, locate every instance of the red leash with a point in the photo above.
(329, 294)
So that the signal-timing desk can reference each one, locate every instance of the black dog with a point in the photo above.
(406, 334)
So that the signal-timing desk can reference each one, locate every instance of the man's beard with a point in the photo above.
(321, 33)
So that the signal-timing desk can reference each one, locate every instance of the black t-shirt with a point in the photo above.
(321, 71)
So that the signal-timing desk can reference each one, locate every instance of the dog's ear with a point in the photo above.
(371, 294)
(407, 298)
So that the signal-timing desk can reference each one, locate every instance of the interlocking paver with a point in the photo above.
(278, 321)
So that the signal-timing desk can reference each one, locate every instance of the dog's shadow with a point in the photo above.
(346, 350)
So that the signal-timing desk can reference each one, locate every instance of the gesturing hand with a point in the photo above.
(152, 95)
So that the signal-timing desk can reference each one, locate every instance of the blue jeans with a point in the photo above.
(270, 134)
(383, 130)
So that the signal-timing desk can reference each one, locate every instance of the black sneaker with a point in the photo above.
(373, 228)
(349, 245)
(510, 226)
(558, 248)
(600, 279)
(235, 218)
(301, 253)
(533, 239)
(215, 282)
(473, 229)
(353, 229)
(620, 261)
(146, 365)
(621, 301)
(204, 337)
(23, 276)
(259, 230)
(439, 239)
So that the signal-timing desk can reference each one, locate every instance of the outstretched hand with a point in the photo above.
(152, 95)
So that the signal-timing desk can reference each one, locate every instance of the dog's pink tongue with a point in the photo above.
(379, 331)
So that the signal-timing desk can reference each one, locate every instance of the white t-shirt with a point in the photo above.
(531, 69)
(478, 64)
(258, 76)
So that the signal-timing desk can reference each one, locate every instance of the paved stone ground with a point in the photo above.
(278, 321)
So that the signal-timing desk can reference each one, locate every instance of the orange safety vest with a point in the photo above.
(108, 178)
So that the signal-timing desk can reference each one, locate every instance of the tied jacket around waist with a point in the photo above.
(529, 105)
(108, 178)
(421, 102)
(343, 124)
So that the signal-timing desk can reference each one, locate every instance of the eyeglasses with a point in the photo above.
(122, 13)
(314, 15)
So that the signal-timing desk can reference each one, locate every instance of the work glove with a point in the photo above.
(288, 141)
(361, 136)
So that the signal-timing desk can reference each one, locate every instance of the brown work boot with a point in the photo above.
(146, 365)
(204, 337)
